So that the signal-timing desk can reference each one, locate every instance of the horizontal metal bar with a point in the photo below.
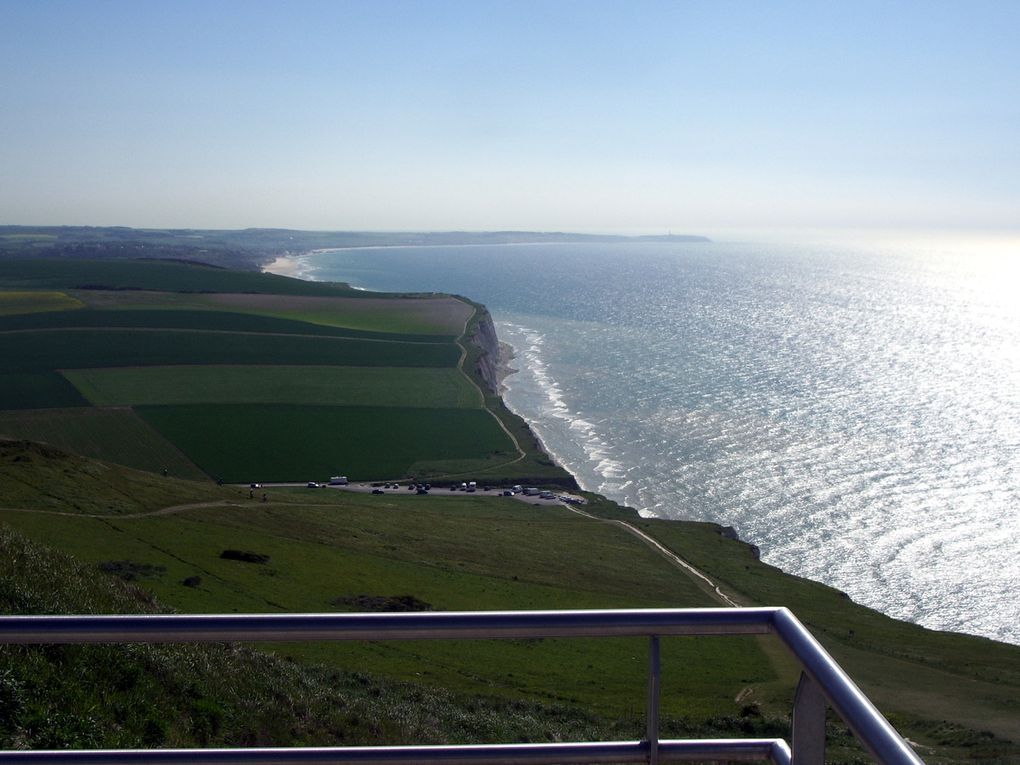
(709, 750)
(850, 703)
(401, 626)
(866, 722)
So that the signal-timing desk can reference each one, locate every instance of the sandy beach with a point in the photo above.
(285, 265)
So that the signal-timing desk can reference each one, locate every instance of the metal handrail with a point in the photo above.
(823, 681)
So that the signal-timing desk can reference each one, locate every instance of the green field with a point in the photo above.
(160, 275)
(278, 442)
(181, 318)
(36, 390)
(334, 386)
(14, 303)
(44, 350)
(114, 435)
(434, 315)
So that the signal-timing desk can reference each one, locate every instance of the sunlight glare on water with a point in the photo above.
(852, 409)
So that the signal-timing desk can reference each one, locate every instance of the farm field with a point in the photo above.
(434, 317)
(13, 303)
(283, 442)
(157, 275)
(182, 318)
(39, 350)
(198, 370)
(438, 315)
(115, 435)
(245, 384)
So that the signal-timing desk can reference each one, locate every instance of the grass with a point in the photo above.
(278, 442)
(220, 320)
(454, 554)
(131, 696)
(955, 695)
(160, 275)
(912, 673)
(39, 389)
(113, 435)
(39, 477)
(435, 315)
(37, 351)
(335, 386)
(15, 303)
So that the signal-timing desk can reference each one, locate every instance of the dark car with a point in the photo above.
(378, 491)
(507, 493)
(422, 491)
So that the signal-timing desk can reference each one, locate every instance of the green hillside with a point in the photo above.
(104, 696)
(328, 550)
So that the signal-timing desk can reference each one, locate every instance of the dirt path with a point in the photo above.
(708, 584)
(668, 554)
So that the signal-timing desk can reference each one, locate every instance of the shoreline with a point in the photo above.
(504, 370)
(290, 265)
(285, 265)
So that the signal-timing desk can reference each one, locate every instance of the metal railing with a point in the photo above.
(823, 683)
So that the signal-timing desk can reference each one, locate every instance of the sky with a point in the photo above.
(631, 116)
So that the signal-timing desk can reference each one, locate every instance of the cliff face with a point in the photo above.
(484, 338)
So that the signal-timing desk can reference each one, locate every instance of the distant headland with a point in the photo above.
(252, 248)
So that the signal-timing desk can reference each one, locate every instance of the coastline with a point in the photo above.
(503, 368)
(284, 265)
(293, 264)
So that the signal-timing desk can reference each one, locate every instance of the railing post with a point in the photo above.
(653, 700)
(808, 739)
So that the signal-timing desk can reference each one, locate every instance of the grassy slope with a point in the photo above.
(114, 435)
(499, 554)
(218, 695)
(921, 678)
(44, 478)
(452, 553)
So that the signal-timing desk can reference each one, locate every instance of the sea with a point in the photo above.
(850, 407)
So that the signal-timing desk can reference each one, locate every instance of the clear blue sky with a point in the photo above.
(595, 116)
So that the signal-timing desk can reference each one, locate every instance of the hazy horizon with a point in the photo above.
(648, 117)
